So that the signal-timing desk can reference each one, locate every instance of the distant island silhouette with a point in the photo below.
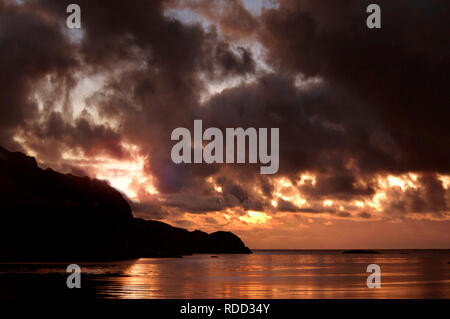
(49, 216)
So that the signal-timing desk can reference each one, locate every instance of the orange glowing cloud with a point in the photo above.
(253, 217)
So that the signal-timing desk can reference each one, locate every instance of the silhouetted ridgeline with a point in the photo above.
(46, 215)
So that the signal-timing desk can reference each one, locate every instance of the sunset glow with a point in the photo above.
(255, 217)
(359, 149)
(128, 175)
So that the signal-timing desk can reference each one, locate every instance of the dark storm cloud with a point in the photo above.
(286, 206)
(350, 102)
(149, 210)
(234, 63)
(203, 198)
(365, 215)
(344, 214)
(322, 129)
(93, 139)
(336, 186)
(162, 90)
(211, 220)
(429, 197)
(400, 70)
(31, 47)
(158, 92)
(194, 203)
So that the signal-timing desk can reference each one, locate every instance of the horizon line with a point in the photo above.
(296, 249)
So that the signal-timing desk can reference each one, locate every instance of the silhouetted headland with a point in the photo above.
(47, 216)
(360, 251)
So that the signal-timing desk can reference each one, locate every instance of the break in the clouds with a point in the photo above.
(362, 113)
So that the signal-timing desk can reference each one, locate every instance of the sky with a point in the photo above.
(363, 113)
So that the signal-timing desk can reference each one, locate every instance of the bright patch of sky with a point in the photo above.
(187, 16)
(74, 35)
(255, 6)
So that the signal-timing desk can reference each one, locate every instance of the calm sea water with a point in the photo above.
(264, 274)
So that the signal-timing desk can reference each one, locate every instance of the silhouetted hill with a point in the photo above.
(46, 215)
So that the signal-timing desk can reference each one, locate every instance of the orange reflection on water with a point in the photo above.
(283, 275)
